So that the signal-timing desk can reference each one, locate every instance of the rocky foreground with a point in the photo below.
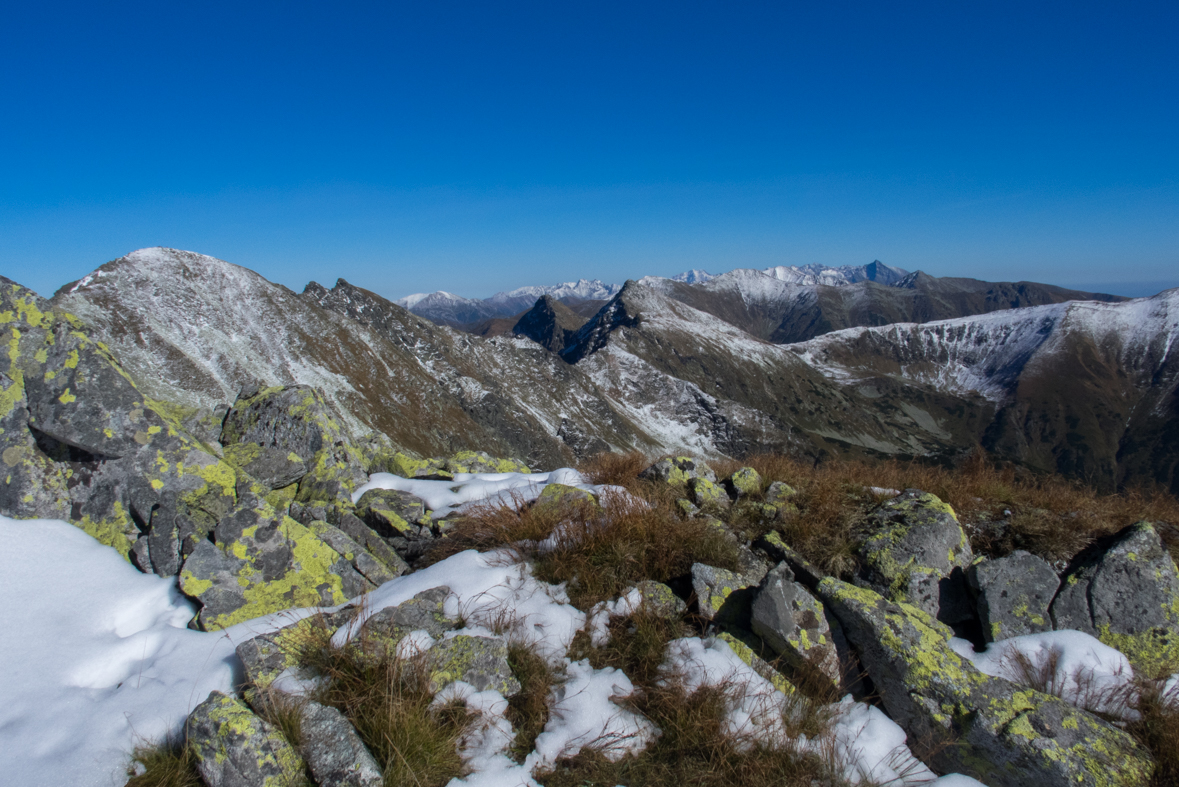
(269, 504)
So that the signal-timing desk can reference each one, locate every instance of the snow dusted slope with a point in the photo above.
(191, 330)
(445, 308)
(1083, 388)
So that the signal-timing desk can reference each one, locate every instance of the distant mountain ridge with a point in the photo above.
(740, 363)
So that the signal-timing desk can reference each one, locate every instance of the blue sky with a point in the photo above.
(475, 147)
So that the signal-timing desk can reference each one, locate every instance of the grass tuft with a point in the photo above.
(388, 701)
(528, 711)
(169, 764)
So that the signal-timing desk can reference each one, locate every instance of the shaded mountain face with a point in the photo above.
(549, 323)
(781, 310)
(471, 313)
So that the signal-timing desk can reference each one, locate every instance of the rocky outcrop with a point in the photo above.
(678, 470)
(333, 750)
(999, 733)
(1125, 592)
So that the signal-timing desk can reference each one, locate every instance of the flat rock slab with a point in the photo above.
(794, 624)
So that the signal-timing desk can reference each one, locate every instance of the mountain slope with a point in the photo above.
(1087, 389)
(193, 330)
(791, 308)
(549, 323)
(455, 310)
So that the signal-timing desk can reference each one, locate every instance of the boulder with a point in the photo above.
(235, 748)
(678, 470)
(333, 750)
(408, 467)
(273, 467)
(479, 661)
(915, 551)
(293, 419)
(385, 628)
(267, 656)
(262, 562)
(392, 513)
(659, 599)
(991, 729)
(715, 589)
(1125, 592)
(707, 495)
(778, 493)
(1012, 594)
(374, 571)
(481, 462)
(78, 441)
(794, 624)
(364, 535)
(743, 483)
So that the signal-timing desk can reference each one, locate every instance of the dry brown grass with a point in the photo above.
(169, 764)
(636, 645)
(389, 702)
(1049, 516)
(528, 710)
(599, 552)
(1158, 731)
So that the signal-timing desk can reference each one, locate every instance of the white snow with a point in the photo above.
(445, 497)
(1087, 672)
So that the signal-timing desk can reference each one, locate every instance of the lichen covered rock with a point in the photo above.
(269, 655)
(707, 495)
(985, 727)
(481, 462)
(559, 496)
(1013, 594)
(915, 551)
(392, 513)
(479, 661)
(794, 624)
(385, 628)
(333, 750)
(714, 589)
(273, 467)
(235, 748)
(261, 562)
(659, 599)
(744, 482)
(678, 470)
(1125, 592)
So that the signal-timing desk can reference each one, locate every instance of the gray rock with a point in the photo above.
(235, 748)
(722, 595)
(1125, 592)
(263, 562)
(333, 751)
(273, 467)
(365, 564)
(708, 495)
(293, 419)
(1013, 594)
(915, 552)
(480, 661)
(482, 462)
(424, 612)
(362, 534)
(984, 727)
(778, 493)
(794, 624)
(659, 599)
(678, 470)
(392, 513)
(268, 655)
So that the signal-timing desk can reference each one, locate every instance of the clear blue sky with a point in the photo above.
(474, 147)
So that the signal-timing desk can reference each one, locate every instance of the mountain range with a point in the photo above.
(884, 364)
